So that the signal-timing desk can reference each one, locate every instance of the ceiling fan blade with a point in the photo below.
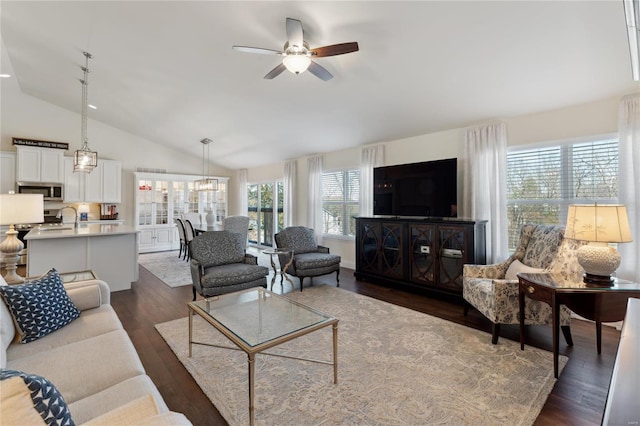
(248, 49)
(319, 71)
(275, 72)
(294, 32)
(335, 49)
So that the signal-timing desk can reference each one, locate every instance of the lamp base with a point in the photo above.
(10, 248)
(598, 280)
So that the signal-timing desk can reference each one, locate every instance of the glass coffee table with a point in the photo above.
(256, 320)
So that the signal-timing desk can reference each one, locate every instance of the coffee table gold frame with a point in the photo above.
(252, 350)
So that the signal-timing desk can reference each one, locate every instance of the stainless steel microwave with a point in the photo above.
(50, 191)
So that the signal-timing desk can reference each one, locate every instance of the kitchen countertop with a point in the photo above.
(84, 230)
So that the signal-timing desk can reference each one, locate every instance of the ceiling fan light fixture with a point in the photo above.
(296, 63)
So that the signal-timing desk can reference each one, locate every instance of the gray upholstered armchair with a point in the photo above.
(219, 265)
(493, 289)
(309, 259)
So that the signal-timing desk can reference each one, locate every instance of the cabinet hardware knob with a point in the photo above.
(531, 290)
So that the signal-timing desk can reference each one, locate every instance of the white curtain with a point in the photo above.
(372, 156)
(289, 191)
(485, 183)
(242, 191)
(629, 183)
(314, 197)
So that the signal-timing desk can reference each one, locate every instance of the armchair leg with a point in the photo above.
(495, 333)
(566, 330)
(301, 282)
(194, 293)
(338, 278)
(465, 310)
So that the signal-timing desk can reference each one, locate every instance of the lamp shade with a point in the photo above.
(604, 223)
(21, 208)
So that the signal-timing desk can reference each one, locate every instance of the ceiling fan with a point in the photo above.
(297, 54)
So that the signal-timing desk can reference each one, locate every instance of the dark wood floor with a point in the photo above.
(577, 399)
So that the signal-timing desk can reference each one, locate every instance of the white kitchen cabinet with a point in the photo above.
(161, 198)
(7, 172)
(40, 164)
(102, 185)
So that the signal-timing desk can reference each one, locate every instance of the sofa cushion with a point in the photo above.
(102, 402)
(517, 267)
(315, 260)
(83, 368)
(39, 307)
(133, 412)
(235, 273)
(24, 395)
(91, 323)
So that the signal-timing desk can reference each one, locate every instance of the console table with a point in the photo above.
(423, 253)
(599, 304)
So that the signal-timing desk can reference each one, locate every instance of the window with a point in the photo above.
(340, 201)
(265, 205)
(542, 182)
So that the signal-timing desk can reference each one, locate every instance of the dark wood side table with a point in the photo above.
(599, 304)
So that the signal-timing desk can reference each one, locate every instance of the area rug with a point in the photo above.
(396, 367)
(168, 267)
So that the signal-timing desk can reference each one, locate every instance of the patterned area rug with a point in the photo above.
(396, 367)
(175, 272)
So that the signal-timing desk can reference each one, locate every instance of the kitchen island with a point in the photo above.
(111, 251)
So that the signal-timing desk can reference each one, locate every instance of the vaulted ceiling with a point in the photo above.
(165, 70)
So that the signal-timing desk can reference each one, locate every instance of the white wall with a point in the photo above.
(24, 116)
(594, 118)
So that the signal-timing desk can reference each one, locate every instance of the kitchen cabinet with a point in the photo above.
(40, 164)
(102, 185)
(7, 172)
(161, 198)
(422, 253)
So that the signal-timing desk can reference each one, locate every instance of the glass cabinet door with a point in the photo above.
(145, 202)
(161, 201)
(179, 198)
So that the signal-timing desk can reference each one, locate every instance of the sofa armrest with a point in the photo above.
(88, 294)
(250, 259)
(495, 271)
(323, 249)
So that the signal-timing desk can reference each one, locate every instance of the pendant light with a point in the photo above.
(206, 184)
(85, 160)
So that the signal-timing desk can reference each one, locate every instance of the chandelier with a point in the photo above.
(85, 160)
(206, 184)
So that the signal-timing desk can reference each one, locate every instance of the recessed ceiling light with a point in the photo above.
(92, 106)
(5, 75)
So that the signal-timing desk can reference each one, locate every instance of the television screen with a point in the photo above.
(427, 189)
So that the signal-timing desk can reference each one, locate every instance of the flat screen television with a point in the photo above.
(428, 189)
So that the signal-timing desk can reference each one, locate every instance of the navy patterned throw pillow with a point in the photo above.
(39, 307)
(47, 400)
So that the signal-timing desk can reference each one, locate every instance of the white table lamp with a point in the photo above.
(600, 224)
(16, 209)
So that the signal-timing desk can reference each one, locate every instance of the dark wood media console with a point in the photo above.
(423, 253)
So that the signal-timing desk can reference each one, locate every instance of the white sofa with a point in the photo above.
(92, 363)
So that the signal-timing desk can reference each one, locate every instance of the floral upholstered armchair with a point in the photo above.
(309, 259)
(493, 289)
(219, 265)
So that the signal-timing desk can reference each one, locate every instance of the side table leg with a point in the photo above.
(252, 359)
(521, 306)
(275, 271)
(556, 334)
(335, 354)
(190, 330)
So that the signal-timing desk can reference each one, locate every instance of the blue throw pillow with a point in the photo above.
(39, 307)
(46, 398)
